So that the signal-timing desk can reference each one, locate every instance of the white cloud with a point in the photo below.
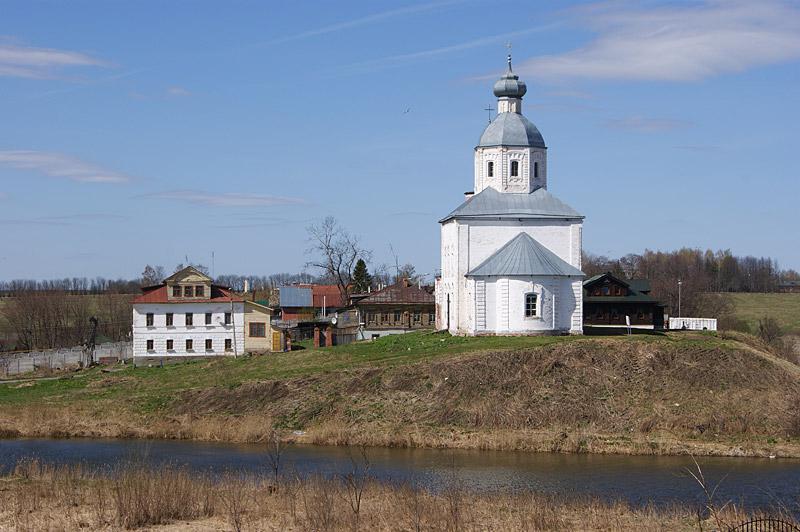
(178, 91)
(40, 63)
(60, 165)
(681, 42)
(647, 125)
(228, 199)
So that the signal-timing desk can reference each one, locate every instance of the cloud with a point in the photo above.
(683, 42)
(178, 91)
(368, 19)
(60, 165)
(228, 199)
(40, 63)
(647, 125)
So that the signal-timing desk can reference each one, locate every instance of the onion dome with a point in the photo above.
(509, 85)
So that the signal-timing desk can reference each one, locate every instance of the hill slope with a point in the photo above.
(697, 392)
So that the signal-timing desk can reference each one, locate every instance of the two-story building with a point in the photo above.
(611, 302)
(188, 315)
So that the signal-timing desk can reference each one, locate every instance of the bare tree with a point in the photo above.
(335, 253)
(152, 275)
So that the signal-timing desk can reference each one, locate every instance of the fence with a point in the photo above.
(24, 362)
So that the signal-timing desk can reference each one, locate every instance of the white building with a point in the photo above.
(511, 253)
(187, 315)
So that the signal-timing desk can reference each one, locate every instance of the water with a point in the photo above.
(755, 482)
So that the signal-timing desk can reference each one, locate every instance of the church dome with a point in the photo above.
(509, 86)
(511, 129)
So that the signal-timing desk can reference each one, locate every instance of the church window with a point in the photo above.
(531, 301)
(490, 169)
(536, 169)
(514, 168)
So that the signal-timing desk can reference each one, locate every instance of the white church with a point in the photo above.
(511, 253)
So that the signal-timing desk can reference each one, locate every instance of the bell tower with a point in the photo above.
(511, 155)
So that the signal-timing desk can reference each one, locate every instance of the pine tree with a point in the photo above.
(361, 277)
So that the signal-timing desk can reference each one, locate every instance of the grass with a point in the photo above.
(37, 496)
(566, 394)
(751, 307)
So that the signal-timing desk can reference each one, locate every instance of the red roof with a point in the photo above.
(158, 294)
(329, 294)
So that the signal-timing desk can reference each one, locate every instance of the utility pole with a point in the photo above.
(233, 324)
(679, 297)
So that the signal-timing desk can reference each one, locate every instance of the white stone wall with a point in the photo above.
(502, 181)
(505, 305)
(179, 332)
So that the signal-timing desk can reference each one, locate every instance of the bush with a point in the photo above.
(768, 329)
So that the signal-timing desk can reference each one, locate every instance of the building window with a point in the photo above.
(199, 291)
(605, 290)
(385, 317)
(188, 291)
(176, 291)
(228, 344)
(490, 169)
(431, 318)
(536, 169)
(189, 319)
(398, 316)
(189, 344)
(531, 309)
(169, 319)
(209, 344)
(208, 318)
(514, 168)
(170, 345)
(149, 319)
(258, 330)
(150, 345)
(417, 317)
(227, 318)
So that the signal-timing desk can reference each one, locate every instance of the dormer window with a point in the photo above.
(176, 291)
(490, 169)
(514, 168)
(199, 291)
(188, 291)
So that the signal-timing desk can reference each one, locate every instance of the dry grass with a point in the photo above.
(38, 497)
(704, 394)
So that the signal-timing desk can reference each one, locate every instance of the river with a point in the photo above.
(756, 482)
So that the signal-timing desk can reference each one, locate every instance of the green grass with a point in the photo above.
(785, 308)
(146, 390)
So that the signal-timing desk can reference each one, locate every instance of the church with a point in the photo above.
(511, 252)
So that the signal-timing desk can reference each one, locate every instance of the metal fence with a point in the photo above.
(23, 362)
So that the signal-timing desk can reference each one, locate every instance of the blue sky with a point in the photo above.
(145, 132)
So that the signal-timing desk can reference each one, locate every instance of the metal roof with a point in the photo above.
(294, 296)
(489, 203)
(402, 293)
(511, 129)
(522, 255)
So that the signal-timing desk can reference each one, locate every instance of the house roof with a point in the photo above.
(638, 290)
(398, 293)
(327, 295)
(489, 203)
(158, 294)
(185, 271)
(523, 255)
(295, 296)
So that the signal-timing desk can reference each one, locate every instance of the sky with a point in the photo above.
(149, 132)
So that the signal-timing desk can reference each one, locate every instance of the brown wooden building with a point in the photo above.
(607, 299)
(399, 308)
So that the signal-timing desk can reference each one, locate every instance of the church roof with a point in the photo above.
(489, 203)
(511, 129)
(523, 255)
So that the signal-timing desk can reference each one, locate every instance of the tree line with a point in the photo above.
(702, 276)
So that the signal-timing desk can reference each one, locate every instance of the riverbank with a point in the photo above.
(680, 393)
(40, 497)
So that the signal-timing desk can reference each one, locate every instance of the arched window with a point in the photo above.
(490, 169)
(531, 307)
(514, 168)
(536, 169)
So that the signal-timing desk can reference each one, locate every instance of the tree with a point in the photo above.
(152, 275)
(199, 267)
(362, 280)
(407, 271)
(335, 253)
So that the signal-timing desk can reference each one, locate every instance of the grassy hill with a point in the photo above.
(785, 308)
(642, 394)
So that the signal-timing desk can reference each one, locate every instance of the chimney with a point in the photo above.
(406, 282)
(246, 285)
(468, 195)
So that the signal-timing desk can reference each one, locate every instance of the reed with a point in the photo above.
(37, 496)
